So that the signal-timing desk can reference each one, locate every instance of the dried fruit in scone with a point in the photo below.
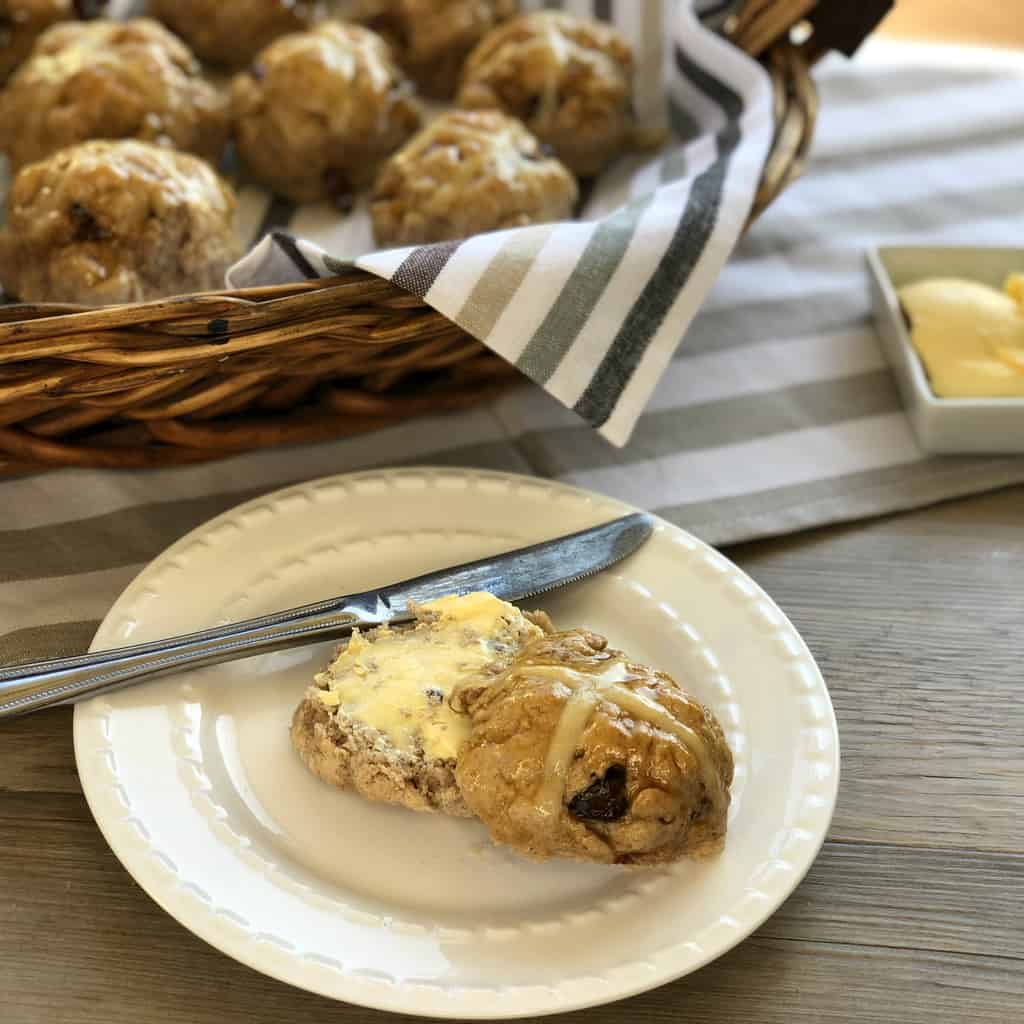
(317, 111)
(576, 752)
(468, 172)
(431, 38)
(232, 32)
(378, 720)
(111, 222)
(568, 79)
(23, 21)
(110, 80)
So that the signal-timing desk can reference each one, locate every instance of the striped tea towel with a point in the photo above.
(592, 310)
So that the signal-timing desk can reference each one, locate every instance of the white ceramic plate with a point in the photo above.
(196, 789)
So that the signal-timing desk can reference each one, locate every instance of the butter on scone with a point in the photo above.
(378, 720)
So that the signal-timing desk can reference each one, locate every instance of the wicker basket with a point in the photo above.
(202, 376)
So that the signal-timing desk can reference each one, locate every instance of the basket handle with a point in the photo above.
(788, 36)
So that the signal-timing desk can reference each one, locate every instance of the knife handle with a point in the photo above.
(31, 687)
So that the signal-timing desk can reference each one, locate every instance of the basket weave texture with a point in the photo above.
(202, 376)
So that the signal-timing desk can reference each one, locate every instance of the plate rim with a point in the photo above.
(418, 999)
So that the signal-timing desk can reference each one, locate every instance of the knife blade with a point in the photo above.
(512, 576)
(527, 572)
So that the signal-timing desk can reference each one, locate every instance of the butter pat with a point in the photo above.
(398, 681)
(969, 336)
(480, 611)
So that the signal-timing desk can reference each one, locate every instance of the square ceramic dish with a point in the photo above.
(943, 425)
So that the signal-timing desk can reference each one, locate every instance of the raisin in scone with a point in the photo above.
(569, 80)
(431, 38)
(23, 21)
(465, 173)
(232, 33)
(110, 80)
(378, 720)
(318, 111)
(576, 752)
(110, 222)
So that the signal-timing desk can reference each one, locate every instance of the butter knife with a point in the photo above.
(513, 576)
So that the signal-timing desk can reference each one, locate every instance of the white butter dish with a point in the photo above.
(943, 425)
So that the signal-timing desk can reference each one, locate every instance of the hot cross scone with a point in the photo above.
(576, 752)
(121, 221)
(467, 172)
(110, 79)
(318, 111)
(569, 80)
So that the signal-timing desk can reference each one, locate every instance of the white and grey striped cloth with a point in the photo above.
(777, 413)
(593, 309)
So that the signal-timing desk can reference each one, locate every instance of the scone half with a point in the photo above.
(378, 720)
(345, 752)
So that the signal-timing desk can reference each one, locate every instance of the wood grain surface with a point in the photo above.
(911, 912)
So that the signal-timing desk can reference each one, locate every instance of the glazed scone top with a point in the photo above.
(398, 681)
(465, 173)
(110, 79)
(318, 110)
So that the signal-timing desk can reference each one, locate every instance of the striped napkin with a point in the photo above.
(591, 310)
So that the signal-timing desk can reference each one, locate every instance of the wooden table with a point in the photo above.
(912, 912)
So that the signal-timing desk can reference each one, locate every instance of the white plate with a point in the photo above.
(196, 789)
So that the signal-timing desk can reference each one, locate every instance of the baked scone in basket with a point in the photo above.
(468, 172)
(110, 80)
(318, 111)
(116, 222)
(569, 80)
